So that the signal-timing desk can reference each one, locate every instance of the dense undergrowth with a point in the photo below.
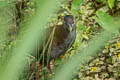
(93, 17)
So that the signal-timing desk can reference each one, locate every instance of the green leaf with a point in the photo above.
(107, 22)
(111, 3)
(76, 5)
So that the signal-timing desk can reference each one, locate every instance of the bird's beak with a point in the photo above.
(70, 28)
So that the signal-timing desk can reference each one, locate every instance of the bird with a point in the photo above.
(58, 40)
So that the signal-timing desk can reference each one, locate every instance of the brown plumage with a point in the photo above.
(58, 40)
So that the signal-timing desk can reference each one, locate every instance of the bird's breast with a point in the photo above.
(61, 48)
(70, 39)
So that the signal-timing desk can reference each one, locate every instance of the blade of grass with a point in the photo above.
(16, 62)
(111, 3)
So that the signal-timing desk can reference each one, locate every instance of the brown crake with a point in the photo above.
(58, 40)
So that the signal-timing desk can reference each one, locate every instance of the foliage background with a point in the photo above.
(97, 27)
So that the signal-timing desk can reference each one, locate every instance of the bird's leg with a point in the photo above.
(36, 67)
(37, 73)
(39, 67)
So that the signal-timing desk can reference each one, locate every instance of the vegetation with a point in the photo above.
(95, 54)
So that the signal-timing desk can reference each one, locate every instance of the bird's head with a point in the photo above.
(69, 22)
